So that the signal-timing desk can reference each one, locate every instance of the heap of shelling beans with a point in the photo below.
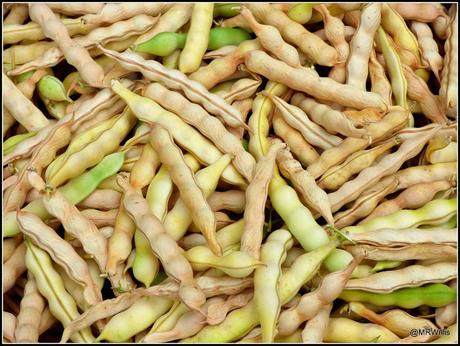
(229, 172)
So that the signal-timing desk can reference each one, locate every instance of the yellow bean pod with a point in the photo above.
(76, 163)
(266, 296)
(394, 66)
(179, 217)
(51, 286)
(197, 37)
(395, 25)
(236, 264)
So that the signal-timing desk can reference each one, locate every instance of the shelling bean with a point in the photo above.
(170, 256)
(308, 81)
(77, 56)
(361, 45)
(316, 49)
(435, 295)
(166, 43)
(332, 120)
(230, 172)
(434, 212)
(270, 38)
(256, 196)
(208, 125)
(32, 306)
(388, 165)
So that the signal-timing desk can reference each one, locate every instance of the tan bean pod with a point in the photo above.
(423, 12)
(231, 200)
(379, 81)
(176, 80)
(311, 194)
(308, 81)
(315, 328)
(419, 91)
(302, 150)
(256, 197)
(73, 221)
(413, 197)
(162, 244)
(309, 304)
(271, 39)
(405, 253)
(21, 108)
(388, 165)
(411, 276)
(336, 176)
(224, 68)
(112, 13)
(43, 155)
(333, 121)
(449, 75)
(395, 238)
(32, 306)
(61, 252)
(361, 45)
(428, 46)
(297, 118)
(14, 33)
(171, 156)
(293, 32)
(364, 205)
(115, 32)
(14, 267)
(205, 123)
(75, 55)
(398, 321)
(8, 326)
(50, 285)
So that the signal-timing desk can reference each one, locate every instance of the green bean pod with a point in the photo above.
(434, 295)
(383, 265)
(226, 10)
(166, 43)
(52, 89)
(221, 37)
(24, 76)
(92, 153)
(435, 212)
(75, 191)
(11, 142)
(163, 44)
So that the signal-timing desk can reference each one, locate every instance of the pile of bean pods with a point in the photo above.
(229, 172)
